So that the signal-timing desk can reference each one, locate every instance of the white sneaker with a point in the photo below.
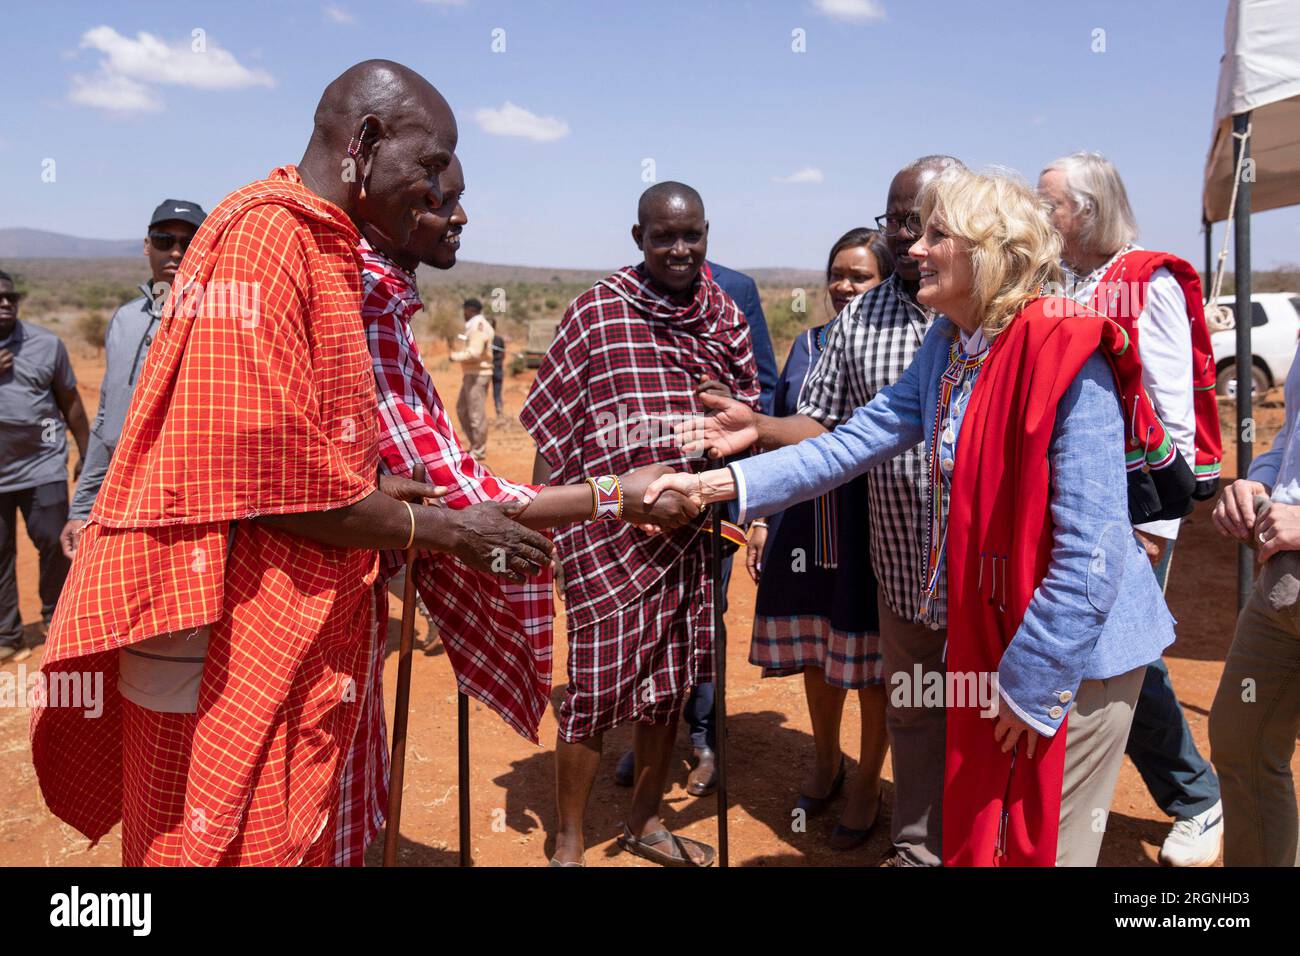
(1195, 841)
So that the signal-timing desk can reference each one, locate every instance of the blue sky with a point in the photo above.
(711, 91)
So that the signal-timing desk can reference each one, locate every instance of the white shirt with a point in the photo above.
(1165, 345)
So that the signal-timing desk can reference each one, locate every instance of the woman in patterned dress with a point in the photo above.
(815, 612)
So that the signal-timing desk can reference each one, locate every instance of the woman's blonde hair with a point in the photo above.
(1015, 253)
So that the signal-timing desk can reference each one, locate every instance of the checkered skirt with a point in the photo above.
(640, 663)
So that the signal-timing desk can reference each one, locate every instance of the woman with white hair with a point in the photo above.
(1051, 607)
(1156, 297)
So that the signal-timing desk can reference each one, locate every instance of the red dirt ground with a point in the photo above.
(770, 739)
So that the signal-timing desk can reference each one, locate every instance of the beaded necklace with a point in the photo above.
(959, 366)
(1092, 280)
(825, 507)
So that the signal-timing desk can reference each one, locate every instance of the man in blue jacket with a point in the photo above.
(703, 779)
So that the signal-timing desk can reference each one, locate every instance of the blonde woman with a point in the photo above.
(1051, 606)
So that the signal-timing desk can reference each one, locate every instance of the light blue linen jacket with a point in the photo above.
(1098, 612)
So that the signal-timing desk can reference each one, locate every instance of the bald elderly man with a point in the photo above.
(221, 595)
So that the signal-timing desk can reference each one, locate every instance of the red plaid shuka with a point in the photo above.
(497, 634)
(622, 369)
(256, 398)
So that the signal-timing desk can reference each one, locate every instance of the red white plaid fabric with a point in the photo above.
(363, 786)
(622, 369)
(640, 663)
(261, 403)
(497, 635)
(786, 645)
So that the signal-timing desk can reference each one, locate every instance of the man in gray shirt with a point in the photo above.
(130, 332)
(38, 404)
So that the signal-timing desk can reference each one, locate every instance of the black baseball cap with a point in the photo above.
(181, 210)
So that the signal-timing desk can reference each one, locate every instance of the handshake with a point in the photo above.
(499, 537)
(502, 537)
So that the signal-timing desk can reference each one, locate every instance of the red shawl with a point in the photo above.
(258, 397)
(621, 372)
(999, 511)
(1121, 295)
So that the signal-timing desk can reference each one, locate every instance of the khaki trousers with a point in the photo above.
(916, 739)
(471, 409)
(1255, 720)
(1095, 737)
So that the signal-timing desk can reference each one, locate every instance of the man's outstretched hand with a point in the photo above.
(730, 429)
(488, 538)
(667, 512)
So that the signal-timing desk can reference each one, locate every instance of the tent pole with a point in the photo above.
(1209, 253)
(1242, 310)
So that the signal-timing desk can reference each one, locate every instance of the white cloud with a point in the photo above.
(151, 60)
(511, 120)
(117, 94)
(130, 68)
(337, 14)
(855, 11)
(809, 174)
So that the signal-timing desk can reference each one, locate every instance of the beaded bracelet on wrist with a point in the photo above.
(607, 494)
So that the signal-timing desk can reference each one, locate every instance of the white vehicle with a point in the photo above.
(1274, 334)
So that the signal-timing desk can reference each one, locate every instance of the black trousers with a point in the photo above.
(45, 511)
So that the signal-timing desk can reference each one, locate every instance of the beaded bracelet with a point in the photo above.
(607, 498)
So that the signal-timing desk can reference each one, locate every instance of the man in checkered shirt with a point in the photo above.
(866, 350)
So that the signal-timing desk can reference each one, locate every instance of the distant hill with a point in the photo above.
(39, 244)
(483, 273)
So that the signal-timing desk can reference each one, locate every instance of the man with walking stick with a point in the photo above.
(623, 368)
(223, 584)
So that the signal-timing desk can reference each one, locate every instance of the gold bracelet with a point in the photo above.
(411, 540)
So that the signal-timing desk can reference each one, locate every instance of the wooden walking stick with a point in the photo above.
(401, 707)
(719, 683)
(462, 772)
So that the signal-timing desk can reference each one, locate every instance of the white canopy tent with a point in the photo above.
(1260, 75)
(1257, 130)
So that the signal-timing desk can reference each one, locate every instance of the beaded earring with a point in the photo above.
(354, 144)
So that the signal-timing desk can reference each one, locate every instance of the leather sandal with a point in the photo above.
(665, 849)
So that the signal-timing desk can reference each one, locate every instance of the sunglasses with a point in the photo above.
(11, 297)
(163, 241)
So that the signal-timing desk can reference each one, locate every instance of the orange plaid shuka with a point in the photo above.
(257, 398)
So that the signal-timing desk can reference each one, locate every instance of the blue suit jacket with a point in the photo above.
(1098, 612)
(744, 291)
